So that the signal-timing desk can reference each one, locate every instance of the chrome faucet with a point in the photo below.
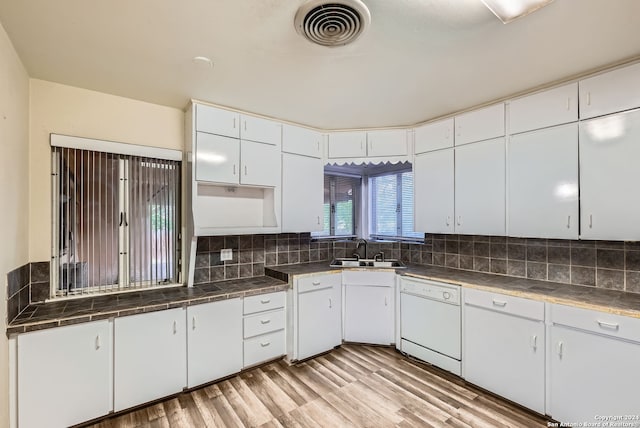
(379, 257)
(359, 244)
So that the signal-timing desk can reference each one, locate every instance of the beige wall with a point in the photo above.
(14, 189)
(68, 110)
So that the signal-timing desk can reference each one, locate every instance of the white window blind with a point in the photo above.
(116, 221)
(392, 206)
(340, 199)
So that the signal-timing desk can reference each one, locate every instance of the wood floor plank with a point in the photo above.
(352, 386)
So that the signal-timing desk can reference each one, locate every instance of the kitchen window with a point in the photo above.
(340, 206)
(116, 221)
(391, 202)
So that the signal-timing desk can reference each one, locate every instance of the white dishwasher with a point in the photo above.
(430, 322)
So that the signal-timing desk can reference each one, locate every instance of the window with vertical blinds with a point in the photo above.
(116, 221)
(392, 206)
(340, 200)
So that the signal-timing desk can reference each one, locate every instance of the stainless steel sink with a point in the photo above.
(344, 262)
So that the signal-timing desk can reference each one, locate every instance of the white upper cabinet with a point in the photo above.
(553, 107)
(302, 193)
(260, 130)
(433, 136)
(391, 142)
(609, 177)
(433, 192)
(217, 158)
(260, 164)
(543, 183)
(352, 144)
(217, 121)
(610, 92)
(480, 188)
(479, 125)
(301, 141)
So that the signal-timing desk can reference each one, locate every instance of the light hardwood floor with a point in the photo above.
(352, 386)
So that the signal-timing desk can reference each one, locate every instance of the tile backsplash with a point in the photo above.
(603, 264)
(27, 284)
(251, 253)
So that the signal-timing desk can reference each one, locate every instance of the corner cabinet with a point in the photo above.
(65, 375)
(150, 357)
(504, 346)
(593, 365)
(369, 307)
(610, 92)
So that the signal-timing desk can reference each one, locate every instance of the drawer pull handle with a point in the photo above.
(316, 283)
(97, 342)
(534, 342)
(499, 303)
(609, 325)
(265, 301)
(265, 344)
(560, 345)
(267, 321)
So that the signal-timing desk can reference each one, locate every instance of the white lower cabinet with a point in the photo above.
(150, 358)
(369, 307)
(263, 328)
(318, 314)
(593, 365)
(214, 341)
(64, 375)
(504, 346)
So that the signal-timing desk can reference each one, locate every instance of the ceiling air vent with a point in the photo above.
(332, 24)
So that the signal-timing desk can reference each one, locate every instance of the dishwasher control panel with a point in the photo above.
(431, 290)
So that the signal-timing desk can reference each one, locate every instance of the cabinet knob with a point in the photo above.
(568, 222)
(175, 327)
(448, 221)
(97, 342)
(590, 221)
(330, 303)
(459, 220)
(193, 323)
(588, 98)
(560, 346)
(234, 123)
(245, 170)
(534, 342)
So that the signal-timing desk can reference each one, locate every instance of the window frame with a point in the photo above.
(399, 211)
(356, 213)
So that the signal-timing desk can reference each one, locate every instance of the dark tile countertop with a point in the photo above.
(73, 311)
(612, 301)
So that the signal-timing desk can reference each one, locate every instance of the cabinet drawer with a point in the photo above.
(506, 304)
(263, 348)
(263, 302)
(597, 322)
(318, 282)
(263, 323)
(383, 279)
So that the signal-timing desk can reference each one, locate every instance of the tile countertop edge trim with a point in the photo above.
(533, 296)
(16, 329)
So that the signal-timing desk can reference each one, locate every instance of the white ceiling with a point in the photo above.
(419, 60)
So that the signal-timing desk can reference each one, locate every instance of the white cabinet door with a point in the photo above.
(260, 130)
(319, 321)
(214, 341)
(348, 144)
(64, 375)
(433, 136)
(368, 314)
(591, 375)
(479, 125)
(392, 142)
(302, 193)
(610, 92)
(260, 164)
(217, 158)
(553, 107)
(480, 188)
(217, 121)
(433, 176)
(543, 183)
(506, 355)
(609, 175)
(301, 141)
(150, 357)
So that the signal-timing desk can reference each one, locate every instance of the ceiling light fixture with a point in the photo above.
(508, 10)
(202, 61)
